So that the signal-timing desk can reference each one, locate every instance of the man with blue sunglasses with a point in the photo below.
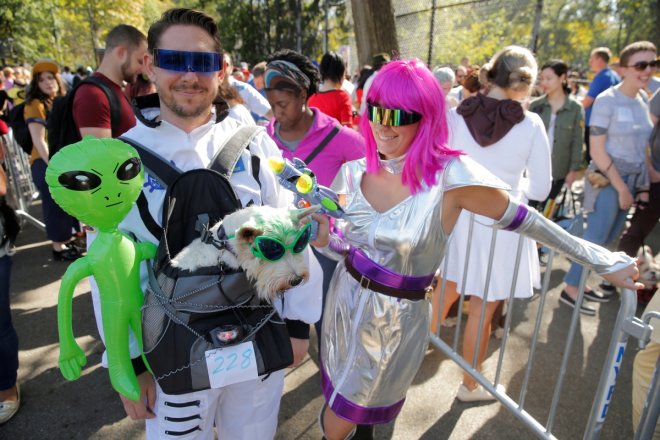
(182, 126)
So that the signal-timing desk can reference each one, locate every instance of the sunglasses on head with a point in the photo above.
(640, 66)
(184, 61)
(392, 116)
(272, 249)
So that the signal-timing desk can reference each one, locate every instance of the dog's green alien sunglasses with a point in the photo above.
(271, 249)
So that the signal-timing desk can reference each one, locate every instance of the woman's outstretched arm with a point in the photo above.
(617, 268)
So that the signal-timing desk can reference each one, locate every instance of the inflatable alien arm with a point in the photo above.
(72, 357)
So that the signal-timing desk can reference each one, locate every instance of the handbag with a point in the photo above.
(568, 214)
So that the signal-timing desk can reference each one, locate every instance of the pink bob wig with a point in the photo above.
(409, 85)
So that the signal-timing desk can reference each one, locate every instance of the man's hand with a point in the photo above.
(300, 347)
(143, 408)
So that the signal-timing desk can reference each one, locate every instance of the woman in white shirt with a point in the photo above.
(495, 131)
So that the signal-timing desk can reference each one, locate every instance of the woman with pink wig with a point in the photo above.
(401, 203)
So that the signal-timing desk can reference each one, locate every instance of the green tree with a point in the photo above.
(569, 29)
(23, 32)
(68, 30)
(252, 29)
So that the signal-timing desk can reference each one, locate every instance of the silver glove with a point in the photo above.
(520, 218)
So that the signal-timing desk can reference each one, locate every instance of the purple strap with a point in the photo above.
(521, 213)
(385, 276)
(353, 412)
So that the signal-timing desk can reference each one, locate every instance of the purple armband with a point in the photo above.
(518, 218)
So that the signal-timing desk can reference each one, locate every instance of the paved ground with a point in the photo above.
(89, 409)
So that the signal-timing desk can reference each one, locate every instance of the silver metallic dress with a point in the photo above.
(373, 344)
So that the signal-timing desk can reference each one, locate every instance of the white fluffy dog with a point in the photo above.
(233, 243)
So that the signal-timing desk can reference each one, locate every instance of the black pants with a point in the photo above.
(8, 337)
(587, 155)
(642, 223)
(60, 226)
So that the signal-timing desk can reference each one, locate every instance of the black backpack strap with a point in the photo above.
(256, 166)
(160, 169)
(322, 145)
(146, 101)
(113, 101)
(227, 156)
(143, 208)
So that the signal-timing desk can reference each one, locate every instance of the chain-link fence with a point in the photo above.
(446, 31)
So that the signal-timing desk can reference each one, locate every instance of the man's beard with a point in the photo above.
(126, 74)
(180, 111)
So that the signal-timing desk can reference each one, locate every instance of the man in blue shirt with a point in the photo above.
(604, 79)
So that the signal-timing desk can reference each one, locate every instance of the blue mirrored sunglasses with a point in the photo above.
(184, 61)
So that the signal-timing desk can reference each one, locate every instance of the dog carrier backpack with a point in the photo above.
(184, 311)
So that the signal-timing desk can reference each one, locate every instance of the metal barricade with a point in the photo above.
(626, 325)
(651, 411)
(22, 192)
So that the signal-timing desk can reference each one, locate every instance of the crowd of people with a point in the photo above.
(415, 154)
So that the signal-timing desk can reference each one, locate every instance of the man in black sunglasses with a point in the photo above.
(184, 126)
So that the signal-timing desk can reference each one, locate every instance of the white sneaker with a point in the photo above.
(8, 408)
(479, 394)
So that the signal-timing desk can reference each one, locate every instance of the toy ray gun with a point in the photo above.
(296, 177)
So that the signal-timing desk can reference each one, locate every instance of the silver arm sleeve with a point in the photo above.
(336, 250)
(528, 222)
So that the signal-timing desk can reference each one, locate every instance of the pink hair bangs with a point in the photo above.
(409, 85)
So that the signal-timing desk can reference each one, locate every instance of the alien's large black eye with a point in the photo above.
(129, 169)
(79, 180)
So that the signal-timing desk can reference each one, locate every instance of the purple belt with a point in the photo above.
(380, 279)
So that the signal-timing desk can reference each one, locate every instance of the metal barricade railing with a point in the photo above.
(22, 192)
(651, 410)
(626, 325)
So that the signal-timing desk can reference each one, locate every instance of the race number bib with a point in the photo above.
(229, 365)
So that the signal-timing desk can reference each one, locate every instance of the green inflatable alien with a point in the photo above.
(97, 181)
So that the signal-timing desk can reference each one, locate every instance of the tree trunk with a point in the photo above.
(375, 30)
(538, 14)
(655, 34)
(93, 31)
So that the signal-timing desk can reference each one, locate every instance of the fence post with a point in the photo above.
(651, 410)
(612, 365)
(431, 29)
